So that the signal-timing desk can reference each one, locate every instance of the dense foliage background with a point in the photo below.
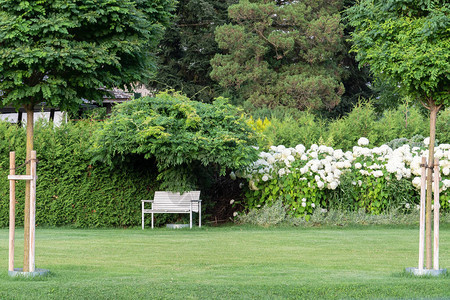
(72, 190)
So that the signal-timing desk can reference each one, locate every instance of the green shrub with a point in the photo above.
(268, 215)
(360, 122)
(183, 137)
(363, 121)
(305, 130)
(71, 190)
(374, 179)
(403, 122)
(375, 195)
(276, 215)
(443, 127)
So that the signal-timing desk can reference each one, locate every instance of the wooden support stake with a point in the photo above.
(20, 177)
(436, 215)
(422, 214)
(12, 209)
(32, 211)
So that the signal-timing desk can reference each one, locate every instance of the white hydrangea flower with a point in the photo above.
(304, 170)
(363, 141)
(265, 177)
(426, 141)
(333, 185)
(320, 184)
(338, 154)
(280, 148)
(285, 153)
(271, 160)
(416, 182)
(300, 149)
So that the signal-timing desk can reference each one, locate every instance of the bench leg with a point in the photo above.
(152, 220)
(190, 219)
(200, 214)
(142, 215)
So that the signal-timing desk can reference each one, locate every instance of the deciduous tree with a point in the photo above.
(60, 51)
(408, 43)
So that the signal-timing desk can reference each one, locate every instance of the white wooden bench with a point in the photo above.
(174, 203)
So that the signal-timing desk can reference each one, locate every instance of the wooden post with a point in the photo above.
(428, 238)
(27, 213)
(12, 209)
(422, 214)
(32, 210)
(436, 215)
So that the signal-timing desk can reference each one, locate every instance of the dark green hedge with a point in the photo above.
(70, 190)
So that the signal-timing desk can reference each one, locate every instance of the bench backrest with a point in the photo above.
(176, 201)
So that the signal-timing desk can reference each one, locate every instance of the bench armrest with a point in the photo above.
(196, 200)
(147, 201)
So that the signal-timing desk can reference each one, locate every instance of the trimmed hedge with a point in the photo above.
(71, 190)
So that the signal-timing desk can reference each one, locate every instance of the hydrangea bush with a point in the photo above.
(376, 179)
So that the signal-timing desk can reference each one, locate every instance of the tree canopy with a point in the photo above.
(187, 47)
(282, 53)
(406, 42)
(63, 50)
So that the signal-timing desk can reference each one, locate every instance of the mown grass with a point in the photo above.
(236, 262)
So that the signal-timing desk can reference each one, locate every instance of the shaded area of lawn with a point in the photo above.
(228, 262)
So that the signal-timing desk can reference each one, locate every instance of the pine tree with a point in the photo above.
(282, 53)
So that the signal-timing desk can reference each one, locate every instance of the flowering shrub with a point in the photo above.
(375, 179)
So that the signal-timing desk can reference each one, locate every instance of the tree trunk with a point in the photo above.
(30, 126)
(433, 114)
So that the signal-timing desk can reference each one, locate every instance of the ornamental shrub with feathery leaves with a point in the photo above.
(183, 137)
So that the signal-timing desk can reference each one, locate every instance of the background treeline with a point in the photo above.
(264, 55)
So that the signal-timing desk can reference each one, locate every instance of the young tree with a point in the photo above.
(408, 43)
(282, 53)
(61, 51)
(187, 47)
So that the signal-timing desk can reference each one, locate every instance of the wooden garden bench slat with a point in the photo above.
(175, 203)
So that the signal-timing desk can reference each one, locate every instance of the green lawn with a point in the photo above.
(226, 263)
